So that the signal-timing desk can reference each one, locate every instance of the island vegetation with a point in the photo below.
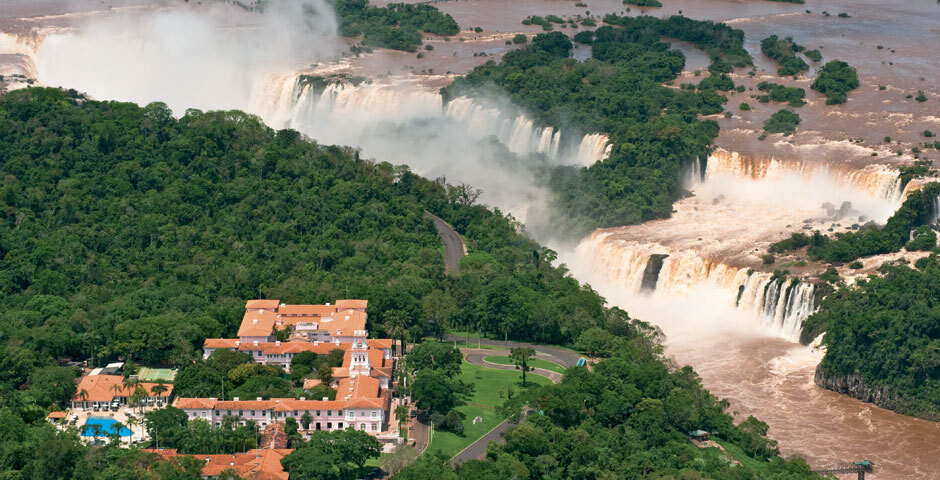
(654, 129)
(782, 121)
(917, 210)
(794, 96)
(784, 51)
(882, 338)
(397, 26)
(643, 3)
(835, 80)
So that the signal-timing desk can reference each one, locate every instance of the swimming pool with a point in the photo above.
(107, 427)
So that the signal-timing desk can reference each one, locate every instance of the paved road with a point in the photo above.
(476, 357)
(565, 358)
(454, 248)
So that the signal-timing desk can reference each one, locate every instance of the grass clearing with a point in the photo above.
(490, 386)
(533, 362)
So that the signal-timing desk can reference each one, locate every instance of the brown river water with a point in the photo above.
(761, 370)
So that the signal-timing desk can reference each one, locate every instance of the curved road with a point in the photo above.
(565, 358)
(454, 248)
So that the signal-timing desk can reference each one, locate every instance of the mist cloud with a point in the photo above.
(207, 57)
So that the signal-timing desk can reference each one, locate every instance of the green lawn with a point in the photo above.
(533, 362)
(490, 386)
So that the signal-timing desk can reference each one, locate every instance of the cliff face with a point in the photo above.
(853, 386)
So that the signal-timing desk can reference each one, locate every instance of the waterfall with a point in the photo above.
(780, 304)
(286, 101)
(879, 181)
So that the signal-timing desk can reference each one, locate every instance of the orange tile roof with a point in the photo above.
(380, 372)
(343, 304)
(265, 304)
(358, 387)
(381, 343)
(100, 388)
(311, 382)
(294, 346)
(55, 415)
(344, 323)
(220, 343)
(307, 310)
(195, 403)
(376, 358)
(259, 464)
(257, 323)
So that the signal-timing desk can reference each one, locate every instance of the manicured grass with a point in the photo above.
(490, 386)
(533, 362)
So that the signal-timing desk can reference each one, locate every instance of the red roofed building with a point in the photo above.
(99, 390)
(259, 464)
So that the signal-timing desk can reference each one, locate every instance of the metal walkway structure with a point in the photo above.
(861, 468)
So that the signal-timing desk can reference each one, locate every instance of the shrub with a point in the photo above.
(428, 47)
(585, 37)
(554, 19)
(813, 55)
(925, 239)
(856, 265)
(920, 96)
(783, 51)
(779, 93)
(588, 22)
(520, 38)
(768, 259)
(928, 133)
(844, 15)
(643, 3)
(478, 29)
(453, 422)
(744, 106)
(783, 121)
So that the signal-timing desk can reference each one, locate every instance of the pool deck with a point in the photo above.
(138, 432)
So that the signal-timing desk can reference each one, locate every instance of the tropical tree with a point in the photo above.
(306, 420)
(131, 423)
(159, 389)
(401, 414)
(520, 358)
(118, 390)
(396, 326)
(439, 310)
(83, 394)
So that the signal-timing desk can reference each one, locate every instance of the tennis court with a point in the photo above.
(147, 374)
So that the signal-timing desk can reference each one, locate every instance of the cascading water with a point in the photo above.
(779, 303)
(290, 102)
(880, 181)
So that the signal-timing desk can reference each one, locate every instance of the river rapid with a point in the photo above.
(720, 309)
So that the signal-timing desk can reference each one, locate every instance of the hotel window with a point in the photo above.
(329, 425)
(374, 414)
(362, 426)
(252, 413)
(203, 414)
(295, 413)
(217, 413)
(339, 425)
(318, 413)
(375, 427)
(362, 413)
(241, 412)
(229, 412)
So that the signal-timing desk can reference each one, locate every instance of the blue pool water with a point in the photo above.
(107, 427)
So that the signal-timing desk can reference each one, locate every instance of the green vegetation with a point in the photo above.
(534, 363)
(340, 454)
(835, 80)
(169, 427)
(783, 121)
(744, 107)
(643, 3)
(813, 55)
(885, 331)
(628, 418)
(397, 26)
(779, 93)
(924, 240)
(519, 39)
(920, 96)
(654, 129)
(784, 51)
(491, 388)
(920, 168)
(916, 211)
(791, 1)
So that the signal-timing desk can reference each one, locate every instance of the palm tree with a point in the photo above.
(139, 394)
(131, 423)
(118, 390)
(401, 414)
(396, 325)
(83, 394)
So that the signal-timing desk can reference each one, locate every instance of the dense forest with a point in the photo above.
(133, 235)
(883, 338)
(629, 417)
(654, 129)
(129, 234)
(835, 80)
